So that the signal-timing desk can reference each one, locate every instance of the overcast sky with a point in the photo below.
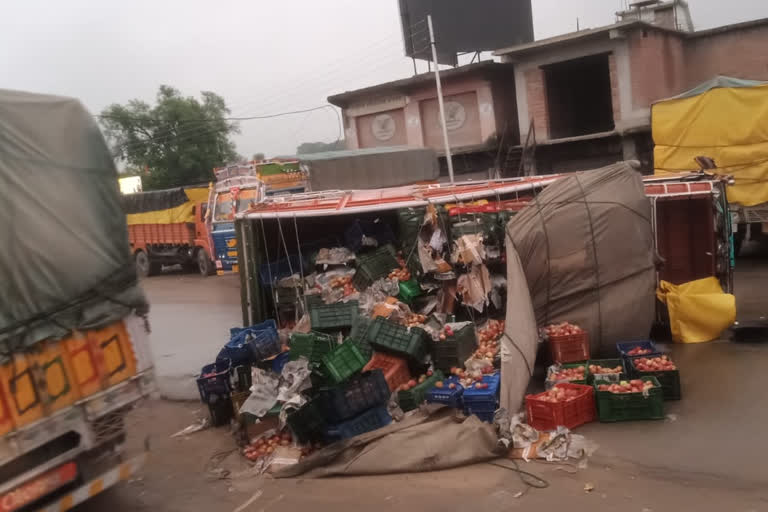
(262, 56)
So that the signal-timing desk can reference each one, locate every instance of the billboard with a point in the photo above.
(464, 26)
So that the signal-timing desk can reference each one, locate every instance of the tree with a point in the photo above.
(258, 157)
(176, 142)
(320, 147)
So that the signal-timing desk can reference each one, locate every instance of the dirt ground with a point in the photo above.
(709, 454)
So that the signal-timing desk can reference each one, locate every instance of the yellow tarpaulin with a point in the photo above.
(699, 310)
(726, 123)
(181, 213)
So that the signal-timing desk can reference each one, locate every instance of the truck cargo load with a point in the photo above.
(169, 227)
(74, 359)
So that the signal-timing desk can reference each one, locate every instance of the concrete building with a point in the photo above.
(580, 100)
(480, 104)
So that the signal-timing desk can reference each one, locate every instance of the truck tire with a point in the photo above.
(204, 263)
(144, 265)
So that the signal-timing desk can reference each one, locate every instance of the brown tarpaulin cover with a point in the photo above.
(581, 252)
(432, 439)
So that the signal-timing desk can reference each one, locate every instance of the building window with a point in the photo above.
(579, 97)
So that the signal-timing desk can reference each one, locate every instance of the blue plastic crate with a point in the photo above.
(251, 344)
(279, 269)
(279, 362)
(625, 346)
(380, 231)
(444, 395)
(483, 398)
(371, 419)
(216, 386)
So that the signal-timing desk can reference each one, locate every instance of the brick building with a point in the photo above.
(582, 99)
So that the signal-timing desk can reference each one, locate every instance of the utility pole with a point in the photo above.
(448, 157)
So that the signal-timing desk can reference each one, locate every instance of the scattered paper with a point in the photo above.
(589, 487)
(264, 390)
(475, 286)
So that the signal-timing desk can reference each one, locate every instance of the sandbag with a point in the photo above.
(698, 310)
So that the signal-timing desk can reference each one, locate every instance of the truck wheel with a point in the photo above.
(204, 263)
(143, 266)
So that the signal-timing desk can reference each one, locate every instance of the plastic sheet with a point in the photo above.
(699, 310)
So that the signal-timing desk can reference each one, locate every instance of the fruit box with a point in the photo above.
(545, 416)
(601, 378)
(334, 316)
(312, 346)
(343, 362)
(412, 398)
(550, 382)
(570, 348)
(395, 369)
(624, 347)
(445, 395)
(214, 381)
(307, 423)
(455, 349)
(669, 379)
(372, 419)
(613, 407)
(361, 392)
(388, 336)
(483, 399)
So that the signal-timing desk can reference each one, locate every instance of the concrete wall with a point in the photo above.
(657, 63)
(738, 53)
(462, 119)
(483, 106)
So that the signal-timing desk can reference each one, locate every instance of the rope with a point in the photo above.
(531, 480)
(269, 271)
(301, 299)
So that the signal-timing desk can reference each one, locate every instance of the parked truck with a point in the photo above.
(238, 187)
(169, 227)
(723, 120)
(74, 360)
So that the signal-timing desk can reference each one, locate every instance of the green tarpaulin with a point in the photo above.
(65, 262)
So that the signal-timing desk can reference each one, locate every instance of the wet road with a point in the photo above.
(190, 317)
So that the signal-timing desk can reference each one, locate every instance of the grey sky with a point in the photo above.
(262, 56)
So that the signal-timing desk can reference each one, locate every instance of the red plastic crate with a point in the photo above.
(395, 369)
(548, 416)
(569, 348)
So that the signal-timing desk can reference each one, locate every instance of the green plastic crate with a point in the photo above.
(456, 349)
(412, 398)
(359, 336)
(613, 407)
(669, 380)
(606, 378)
(312, 346)
(373, 266)
(343, 362)
(549, 383)
(409, 290)
(334, 317)
(397, 339)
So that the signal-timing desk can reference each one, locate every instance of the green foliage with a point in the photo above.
(177, 142)
(320, 147)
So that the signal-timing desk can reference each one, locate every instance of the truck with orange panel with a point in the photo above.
(169, 227)
(74, 359)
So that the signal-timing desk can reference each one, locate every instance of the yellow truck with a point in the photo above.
(74, 356)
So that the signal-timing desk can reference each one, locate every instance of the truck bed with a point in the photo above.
(142, 235)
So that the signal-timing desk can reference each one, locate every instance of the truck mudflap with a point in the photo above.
(104, 481)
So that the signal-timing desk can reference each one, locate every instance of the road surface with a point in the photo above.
(708, 455)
